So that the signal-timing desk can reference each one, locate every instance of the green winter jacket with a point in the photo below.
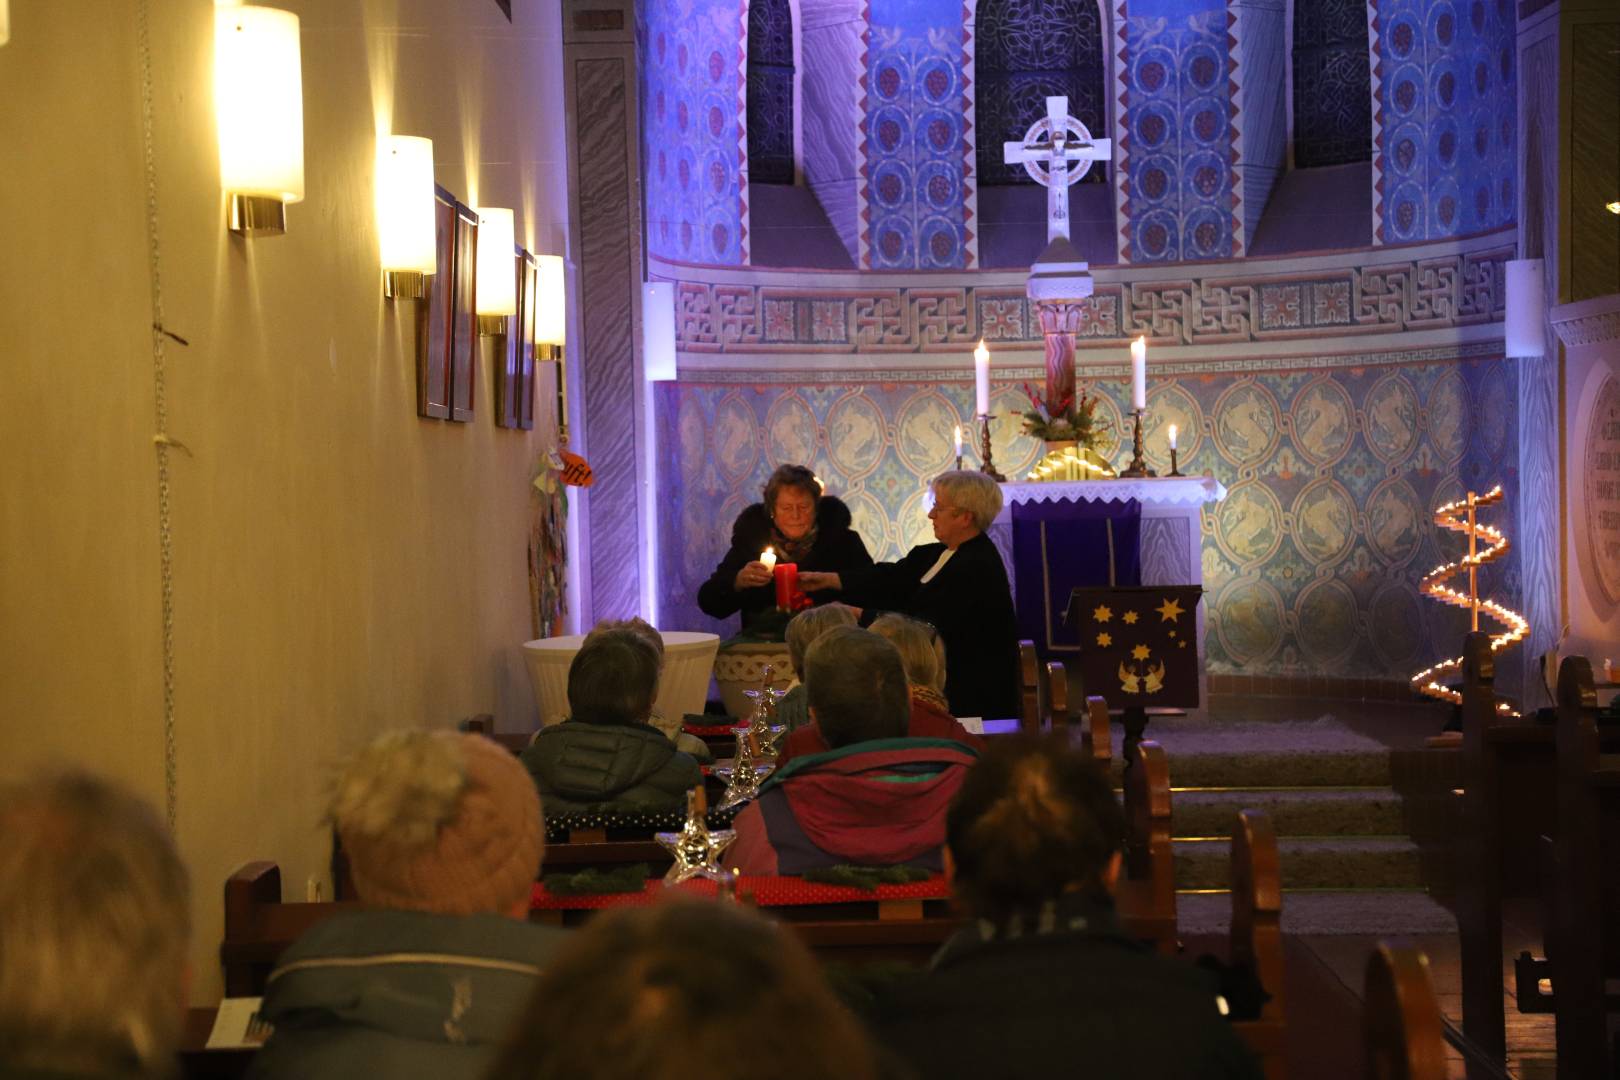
(581, 766)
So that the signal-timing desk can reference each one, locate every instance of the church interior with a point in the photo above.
(1315, 272)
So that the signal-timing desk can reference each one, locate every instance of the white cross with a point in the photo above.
(1057, 151)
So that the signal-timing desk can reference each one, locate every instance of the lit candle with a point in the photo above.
(1139, 373)
(1172, 436)
(981, 379)
(768, 557)
(958, 431)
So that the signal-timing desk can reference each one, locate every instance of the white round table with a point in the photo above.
(682, 688)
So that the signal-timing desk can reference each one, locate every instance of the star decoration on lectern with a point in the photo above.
(1104, 640)
(1102, 614)
(697, 851)
(1170, 611)
(1141, 652)
(1130, 618)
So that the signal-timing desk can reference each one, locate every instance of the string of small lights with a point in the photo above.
(1460, 517)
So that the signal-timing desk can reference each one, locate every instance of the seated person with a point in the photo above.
(923, 655)
(670, 726)
(1033, 852)
(798, 523)
(958, 585)
(94, 922)
(444, 840)
(605, 756)
(876, 798)
(681, 989)
(793, 710)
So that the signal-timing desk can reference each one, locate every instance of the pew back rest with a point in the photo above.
(1403, 1030)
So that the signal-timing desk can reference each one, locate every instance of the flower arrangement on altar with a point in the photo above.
(1063, 420)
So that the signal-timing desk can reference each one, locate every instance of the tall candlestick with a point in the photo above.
(1139, 373)
(958, 432)
(1172, 436)
(981, 380)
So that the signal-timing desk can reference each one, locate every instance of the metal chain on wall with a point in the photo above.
(160, 440)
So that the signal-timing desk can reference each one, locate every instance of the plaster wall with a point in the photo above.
(339, 566)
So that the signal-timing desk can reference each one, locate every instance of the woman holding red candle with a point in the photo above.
(796, 529)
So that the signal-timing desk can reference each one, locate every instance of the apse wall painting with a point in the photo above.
(1312, 561)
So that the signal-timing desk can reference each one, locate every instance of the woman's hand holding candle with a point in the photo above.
(756, 573)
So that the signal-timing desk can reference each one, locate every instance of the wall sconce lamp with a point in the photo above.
(658, 331)
(496, 299)
(1611, 207)
(551, 330)
(259, 110)
(5, 21)
(405, 219)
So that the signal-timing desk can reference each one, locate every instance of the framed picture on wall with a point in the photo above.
(464, 320)
(526, 368)
(509, 365)
(433, 319)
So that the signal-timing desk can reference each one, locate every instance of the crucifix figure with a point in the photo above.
(1057, 151)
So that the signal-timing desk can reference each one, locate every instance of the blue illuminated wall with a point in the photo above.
(693, 129)
(1444, 118)
(1177, 132)
(915, 194)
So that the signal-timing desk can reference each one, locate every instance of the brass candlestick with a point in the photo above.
(989, 466)
(1175, 469)
(1138, 466)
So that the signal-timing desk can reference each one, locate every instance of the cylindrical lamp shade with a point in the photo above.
(405, 229)
(259, 102)
(658, 330)
(551, 309)
(497, 282)
(1526, 321)
(5, 21)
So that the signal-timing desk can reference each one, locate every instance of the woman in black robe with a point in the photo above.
(958, 584)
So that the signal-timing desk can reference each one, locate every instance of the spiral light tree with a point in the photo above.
(1461, 516)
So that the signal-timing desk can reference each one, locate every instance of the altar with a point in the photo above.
(1170, 544)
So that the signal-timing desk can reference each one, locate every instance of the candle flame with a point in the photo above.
(981, 354)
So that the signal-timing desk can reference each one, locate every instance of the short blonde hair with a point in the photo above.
(97, 914)
(811, 623)
(921, 649)
(971, 491)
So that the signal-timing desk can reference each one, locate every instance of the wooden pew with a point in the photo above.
(1033, 695)
(1401, 1022)
(1256, 940)
(1583, 942)
(1096, 738)
(1508, 802)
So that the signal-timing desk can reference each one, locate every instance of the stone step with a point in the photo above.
(1276, 769)
(1369, 811)
(1333, 862)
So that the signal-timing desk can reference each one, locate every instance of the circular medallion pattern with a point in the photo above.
(1015, 452)
(1394, 521)
(1396, 626)
(1248, 523)
(1601, 466)
(870, 521)
(1328, 622)
(1390, 417)
(1249, 620)
(1322, 419)
(911, 523)
(694, 438)
(1324, 521)
(790, 431)
(736, 438)
(924, 435)
(855, 435)
(1247, 424)
(1169, 404)
(1448, 417)
(1495, 412)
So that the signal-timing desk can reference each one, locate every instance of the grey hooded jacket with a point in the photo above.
(400, 994)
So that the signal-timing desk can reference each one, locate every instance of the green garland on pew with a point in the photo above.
(866, 878)
(596, 881)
